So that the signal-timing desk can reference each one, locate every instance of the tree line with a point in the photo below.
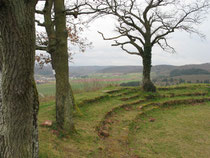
(192, 71)
(141, 25)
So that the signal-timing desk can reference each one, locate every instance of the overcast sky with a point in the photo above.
(190, 49)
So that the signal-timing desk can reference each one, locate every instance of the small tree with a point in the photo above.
(146, 24)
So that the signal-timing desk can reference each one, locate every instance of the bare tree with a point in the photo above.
(55, 43)
(144, 24)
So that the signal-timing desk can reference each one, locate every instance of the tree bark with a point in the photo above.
(147, 85)
(59, 55)
(19, 107)
(1, 50)
(64, 96)
(49, 26)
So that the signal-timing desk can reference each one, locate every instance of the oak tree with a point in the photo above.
(19, 106)
(144, 24)
(55, 42)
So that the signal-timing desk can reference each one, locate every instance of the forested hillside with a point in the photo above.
(192, 71)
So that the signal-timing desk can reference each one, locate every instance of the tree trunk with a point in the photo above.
(1, 50)
(19, 107)
(64, 97)
(148, 86)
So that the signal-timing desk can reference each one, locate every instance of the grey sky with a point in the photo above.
(190, 48)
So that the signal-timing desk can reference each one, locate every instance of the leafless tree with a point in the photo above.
(58, 22)
(144, 24)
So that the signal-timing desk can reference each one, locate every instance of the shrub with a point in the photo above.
(132, 84)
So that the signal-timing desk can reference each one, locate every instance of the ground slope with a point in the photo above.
(125, 122)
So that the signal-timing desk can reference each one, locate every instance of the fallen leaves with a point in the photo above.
(152, 120)
(47, 123)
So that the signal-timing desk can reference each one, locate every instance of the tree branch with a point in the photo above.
(179, 24)
(39, 23)
(166, 47)
(42, 48)
(111, 38)
(122, 46)
(132, 53)
(39, 12)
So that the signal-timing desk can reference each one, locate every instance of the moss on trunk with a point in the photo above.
(147, 85)
(64, 96)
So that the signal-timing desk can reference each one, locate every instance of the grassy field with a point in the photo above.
(91, 83)
(118, 122)
(179, 131)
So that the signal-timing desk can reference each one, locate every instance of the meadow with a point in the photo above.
(117, 122)
(91, 83)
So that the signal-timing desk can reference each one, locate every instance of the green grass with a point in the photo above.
(178, 131)
(46, 89)
(92, 83)
(131, 134)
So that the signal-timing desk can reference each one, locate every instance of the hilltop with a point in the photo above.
(125, 121)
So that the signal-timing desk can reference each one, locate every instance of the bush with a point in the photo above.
(130, 84)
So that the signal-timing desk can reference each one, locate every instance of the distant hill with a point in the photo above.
(88, 70)
(205, 66)
(160, 69)
(163, 69)
(121, 69)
